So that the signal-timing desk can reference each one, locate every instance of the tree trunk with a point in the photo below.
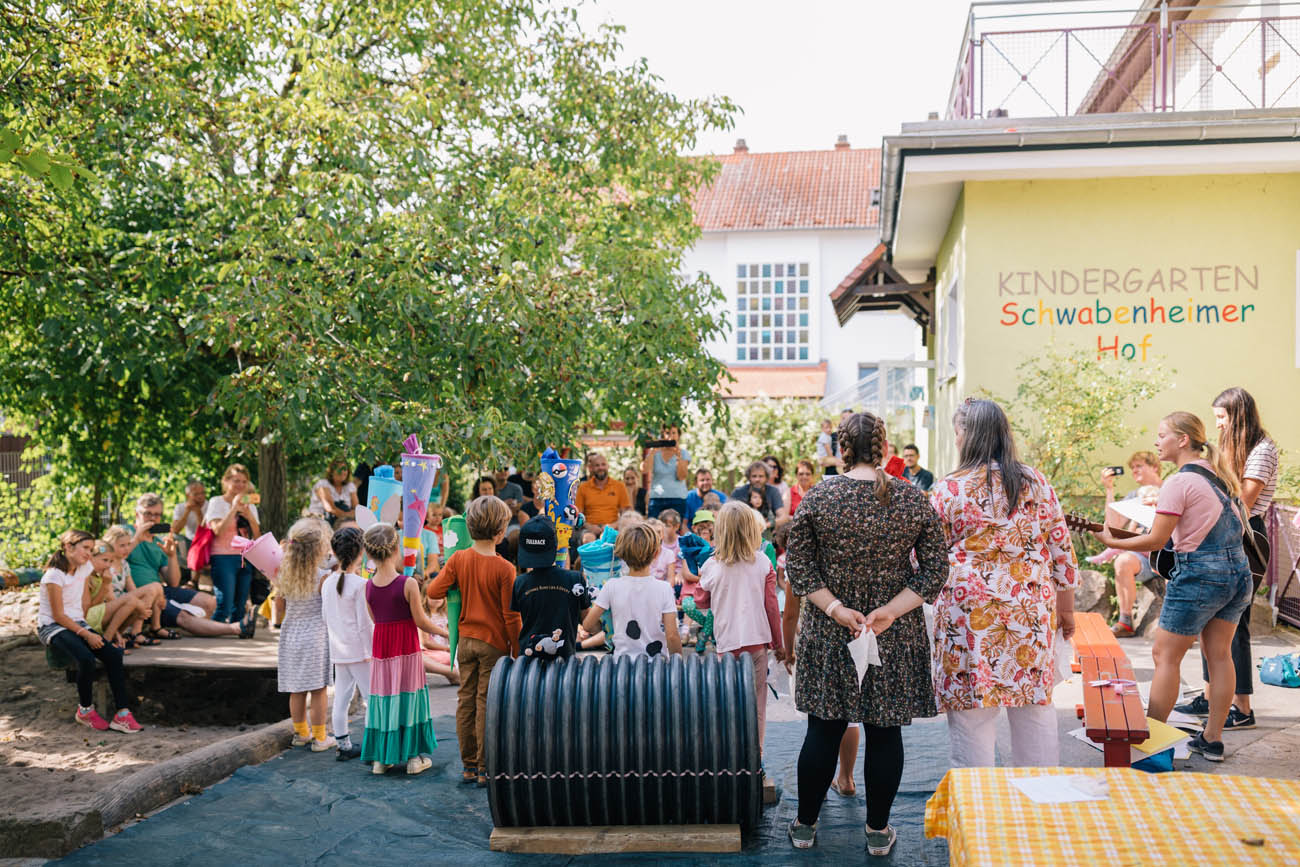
(272, 481)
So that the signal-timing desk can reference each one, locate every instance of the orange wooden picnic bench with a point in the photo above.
(1112, 710)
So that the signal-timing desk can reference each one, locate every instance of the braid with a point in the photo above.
(878, 443)
(862, 437)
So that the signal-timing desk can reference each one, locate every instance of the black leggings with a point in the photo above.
(78, 649)
(1241, 657)
(882, 770)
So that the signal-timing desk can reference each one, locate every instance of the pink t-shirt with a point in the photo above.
(1193, 500)
(667, 556)
(743, 599)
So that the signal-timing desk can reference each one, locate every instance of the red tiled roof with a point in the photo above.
(858, 270)
(797, 190)
(808, 380)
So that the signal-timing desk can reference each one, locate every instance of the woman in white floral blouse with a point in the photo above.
(1011, 579)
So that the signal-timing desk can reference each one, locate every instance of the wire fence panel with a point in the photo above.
(1242, 63)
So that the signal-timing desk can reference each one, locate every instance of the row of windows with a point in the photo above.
(755, 287)
(772, 353)
(779, 269)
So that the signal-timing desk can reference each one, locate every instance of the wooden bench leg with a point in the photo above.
(1116, 754)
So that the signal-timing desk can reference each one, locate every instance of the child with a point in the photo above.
(643, 608)
(105, 601)
(61, 625)
(702, 525)
(399, 723)
(550, 600)
(120, 538)
(430, 543)
(304, 650)
(668, 565)
(351, 632)
(436, 648)
(759, 504)
(489, 629)
(741, 584)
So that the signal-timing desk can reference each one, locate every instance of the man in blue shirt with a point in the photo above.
(695, 497)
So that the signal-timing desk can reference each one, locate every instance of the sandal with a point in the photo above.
(169, 634)
(843, 793)
(141, 640)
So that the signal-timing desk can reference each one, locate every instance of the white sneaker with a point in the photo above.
(321, 746)
(880, 842)
(299, 740)
(378, 768)
(418, 764)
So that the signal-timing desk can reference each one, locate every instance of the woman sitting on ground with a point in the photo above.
(61, 625)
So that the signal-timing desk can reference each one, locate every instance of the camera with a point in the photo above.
(251, 499)
(1116, 471)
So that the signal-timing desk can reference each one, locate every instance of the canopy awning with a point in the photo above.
(873, 284)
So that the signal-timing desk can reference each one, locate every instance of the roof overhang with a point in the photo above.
(874, 284)
(927, 165)
(750, 381)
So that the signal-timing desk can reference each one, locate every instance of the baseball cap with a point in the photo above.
(702, 515)
(537, 543)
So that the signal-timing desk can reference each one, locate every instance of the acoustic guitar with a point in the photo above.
(1162, 561)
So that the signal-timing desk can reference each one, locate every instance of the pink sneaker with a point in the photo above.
(124, 722)
(91, 718)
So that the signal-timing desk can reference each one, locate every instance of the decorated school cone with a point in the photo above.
(384, 495)
(559, 486)
(418, 472)
(455, 537)
(263, 552)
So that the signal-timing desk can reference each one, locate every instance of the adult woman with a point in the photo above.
(486, 486)
(849, 551)
(776, 478)
(635, 492)
(1253, 457)
(334, 498)
(1130, 568)
(230, 515)
(804, 473)
(61, 624)
(187, 517)
(1011, 580)
(1209, 584)
(667, 468)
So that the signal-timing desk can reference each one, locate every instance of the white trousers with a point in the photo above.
(346, 676)
(1035, 738)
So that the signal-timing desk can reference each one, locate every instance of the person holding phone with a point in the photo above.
(153, 557)
(229, 515)
(666, 466)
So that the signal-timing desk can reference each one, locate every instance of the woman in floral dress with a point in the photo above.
(1011, 580)
(850, 548)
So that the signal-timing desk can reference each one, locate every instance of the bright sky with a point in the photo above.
(803, 71)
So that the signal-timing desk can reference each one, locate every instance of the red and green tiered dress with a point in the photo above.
(399, 725)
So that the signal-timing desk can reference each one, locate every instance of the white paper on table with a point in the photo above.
(865, 651)
(1135, 510)
(1062, 789)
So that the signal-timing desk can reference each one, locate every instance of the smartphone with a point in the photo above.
(661, 444)
(160, 528)
(1116, 471)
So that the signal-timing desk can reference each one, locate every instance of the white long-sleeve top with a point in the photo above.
(347, 618)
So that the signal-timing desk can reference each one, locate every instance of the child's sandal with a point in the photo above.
(469, 776)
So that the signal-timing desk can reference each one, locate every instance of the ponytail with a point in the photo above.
(59, 559)
(1223, 468)
(1189, 425)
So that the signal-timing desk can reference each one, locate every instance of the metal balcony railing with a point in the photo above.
(1163, 59)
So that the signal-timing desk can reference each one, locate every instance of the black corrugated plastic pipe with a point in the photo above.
(663, 741)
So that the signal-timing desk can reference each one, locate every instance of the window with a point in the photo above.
(773, 302)
(952, 330)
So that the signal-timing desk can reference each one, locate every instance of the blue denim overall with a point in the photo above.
(1212, 581)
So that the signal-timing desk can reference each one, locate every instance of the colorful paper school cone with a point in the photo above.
(418, 473)
(559, 481)
(455, 537)
(384, 495)
(263, 552)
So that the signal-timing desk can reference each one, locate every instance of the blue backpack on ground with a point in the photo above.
(1283, 670)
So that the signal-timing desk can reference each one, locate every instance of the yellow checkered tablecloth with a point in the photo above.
(1149, 819)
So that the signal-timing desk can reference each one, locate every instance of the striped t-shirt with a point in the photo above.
(1261, 465)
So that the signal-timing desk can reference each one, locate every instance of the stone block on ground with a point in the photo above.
(1093, 592)
(1150, 599)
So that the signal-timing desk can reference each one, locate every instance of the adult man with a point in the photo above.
(601, 498)
(912, 470)
(695, 497)
(508, 491)
(148, 559)
(758, 475)
(1131, 568)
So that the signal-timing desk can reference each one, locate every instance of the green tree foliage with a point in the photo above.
(1069, 408)
(784, 427)
(320, 226)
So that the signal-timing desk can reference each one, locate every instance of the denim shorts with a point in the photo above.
(1205, 585)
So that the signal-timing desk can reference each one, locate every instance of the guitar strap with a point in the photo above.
(1248, 532)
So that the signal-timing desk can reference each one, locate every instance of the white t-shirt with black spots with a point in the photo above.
(638, 605)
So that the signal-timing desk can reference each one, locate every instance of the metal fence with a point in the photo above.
(18, 471)
(1188, 65)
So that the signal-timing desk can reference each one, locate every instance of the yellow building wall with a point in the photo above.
(947, 376)
(1195, 249)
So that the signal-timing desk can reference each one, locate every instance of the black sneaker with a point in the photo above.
(351, 752)
(1237, 720)
(1212, 751)
(1199, 706)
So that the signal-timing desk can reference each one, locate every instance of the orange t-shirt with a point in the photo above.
(602, 505)
(486, 584)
